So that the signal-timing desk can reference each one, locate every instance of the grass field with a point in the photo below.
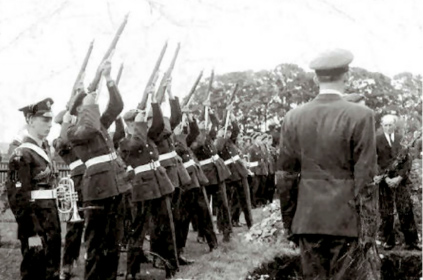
(230, 261)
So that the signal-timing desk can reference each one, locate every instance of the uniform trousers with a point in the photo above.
(258, 186)
(325, 257)
(270, 187)
(193, 202)
(40, 263)
(238, 197)
(103, 229)
(161, 236)
(400, 196)
(128, 213)
(218, 191)
(74, 231)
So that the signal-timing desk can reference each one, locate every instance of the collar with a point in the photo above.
(36, 140)
(330, 91)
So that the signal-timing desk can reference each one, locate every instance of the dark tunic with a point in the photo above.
(174, 167)
(90, 139)
(204, 148)
(140, 149)
(228, 150)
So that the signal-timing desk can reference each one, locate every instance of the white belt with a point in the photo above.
(100, 159)
(147, 167)
(75, 164)
(189, 163)
(232, 160)
(43, 194)
(167, 156)
(252, 164)
(209, 160)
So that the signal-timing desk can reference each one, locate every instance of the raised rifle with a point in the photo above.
(192, 91)
(94, 84)
(152, 80)
(228, 113)
(119, 74)
(163, 83)
(81, 74)
(207, 101)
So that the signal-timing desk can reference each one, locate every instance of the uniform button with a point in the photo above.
(146, 145)
(151, 153)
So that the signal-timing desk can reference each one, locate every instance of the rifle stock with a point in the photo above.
(192, 91)
(81, 74)
(166, 77)
(94, 85)
(153, 78)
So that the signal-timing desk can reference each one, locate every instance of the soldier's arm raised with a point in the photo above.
(115, 105)
(157, 125)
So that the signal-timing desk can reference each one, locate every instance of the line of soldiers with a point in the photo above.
(150, 178)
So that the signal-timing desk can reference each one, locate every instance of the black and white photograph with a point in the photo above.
(211, 139)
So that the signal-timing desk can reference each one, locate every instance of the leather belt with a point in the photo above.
(100, 159)
(232, 160)
(209, 160)
(252, 164)
(189, 163)
(43, 194)
(75, 164)
(147, 167)
(167, 156)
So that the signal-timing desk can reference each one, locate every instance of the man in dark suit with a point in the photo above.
(327, 156)
(394, 188)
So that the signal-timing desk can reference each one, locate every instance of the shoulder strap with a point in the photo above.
(36, 149)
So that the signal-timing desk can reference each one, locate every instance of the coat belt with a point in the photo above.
(167, 156)
(147, 167)
(100, 159)
(75, 164)
(209, 160)
(43, 194)
(232, 160)
(189, 163)
(252, 164)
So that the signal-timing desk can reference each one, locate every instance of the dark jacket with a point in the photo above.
(90, 139)
(227, 150)
(174, 167)
(327, 156)
(29, 171)
(204, 148)
(140, 149)
(387, 154)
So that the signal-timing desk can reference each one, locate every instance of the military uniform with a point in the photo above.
(238, 180)
(327, 157)
(77, 169)
(102, 184)
(259, 166)
(215, 170)
(151, 193)
(192, 198)
(32, 200)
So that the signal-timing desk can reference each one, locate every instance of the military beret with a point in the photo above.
(76, 101)
(40, 109)
(59, 117)
(354, 97)
(130, 115)
(332, 62)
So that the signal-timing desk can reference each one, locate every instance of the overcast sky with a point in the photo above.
(43, 42)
